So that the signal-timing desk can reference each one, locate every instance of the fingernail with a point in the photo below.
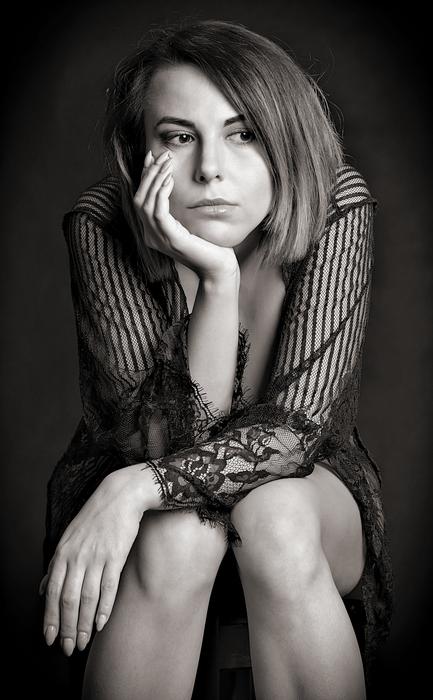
(82, 640)
(50, 634)
(100, 622)
(148, 158)
(67, 645)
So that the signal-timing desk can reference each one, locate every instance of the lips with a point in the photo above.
(211, 203)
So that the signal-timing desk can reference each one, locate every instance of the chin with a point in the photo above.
(218, 232)
(221, 238)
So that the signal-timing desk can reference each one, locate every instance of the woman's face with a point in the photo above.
(187, 114)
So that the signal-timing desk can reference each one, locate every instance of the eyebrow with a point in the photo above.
(186, 122)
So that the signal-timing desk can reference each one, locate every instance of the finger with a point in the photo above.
(147, 161)
(109, 586)
(162, 204)
(53, 589)
(88, 604)
(150, 200)
(43, 585)
(148, 176)
(69, 607)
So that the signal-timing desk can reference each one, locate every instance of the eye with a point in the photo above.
(242, 132)
(169, 137)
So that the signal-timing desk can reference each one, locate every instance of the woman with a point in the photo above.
(220, 349)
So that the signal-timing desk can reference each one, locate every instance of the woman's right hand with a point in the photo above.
(165, 233)
(83, 575)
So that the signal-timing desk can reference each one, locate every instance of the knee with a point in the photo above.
(174, 554)
(281, 552)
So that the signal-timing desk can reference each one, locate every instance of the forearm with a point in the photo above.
(213, 338)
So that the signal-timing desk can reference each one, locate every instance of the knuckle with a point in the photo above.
(68, 602)
(108, 585)
(87, 599)
(59, 553)
(52, 590)
(68, 631)
(78, 561)
(85, 622)
(104, 608)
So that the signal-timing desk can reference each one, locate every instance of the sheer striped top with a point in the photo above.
(140, 403)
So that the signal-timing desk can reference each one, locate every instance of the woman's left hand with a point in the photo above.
(83, 575)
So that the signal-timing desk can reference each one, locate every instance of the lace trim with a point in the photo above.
(210, 512)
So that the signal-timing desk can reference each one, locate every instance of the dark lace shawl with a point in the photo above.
(141, 404)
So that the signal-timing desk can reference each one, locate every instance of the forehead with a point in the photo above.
(184, 90)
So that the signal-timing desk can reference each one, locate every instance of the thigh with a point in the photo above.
(319, 500)
(174, 546)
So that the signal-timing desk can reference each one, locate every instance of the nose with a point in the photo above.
(209, 163)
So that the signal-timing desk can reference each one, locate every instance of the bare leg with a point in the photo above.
(149, 649)
(302, 550)
(303, 646)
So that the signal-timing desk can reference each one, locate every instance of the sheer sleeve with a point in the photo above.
(117, 343)
(132, 347)
(310, 406)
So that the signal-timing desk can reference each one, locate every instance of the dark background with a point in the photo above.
(371, 61)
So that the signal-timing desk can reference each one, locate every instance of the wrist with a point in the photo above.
(223, 282)
(150, 488)
(145, 487)
(138, 484)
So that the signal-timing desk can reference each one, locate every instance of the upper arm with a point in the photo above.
(112, 306)
(325, 324)
(118, 334)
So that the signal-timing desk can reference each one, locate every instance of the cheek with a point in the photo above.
(259, 193)
(178, 200)
(255, 176)
(264, 184)
(181, 191)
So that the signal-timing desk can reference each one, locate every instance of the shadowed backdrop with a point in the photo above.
(371, 62)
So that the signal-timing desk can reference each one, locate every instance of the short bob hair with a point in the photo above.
(283, 105)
